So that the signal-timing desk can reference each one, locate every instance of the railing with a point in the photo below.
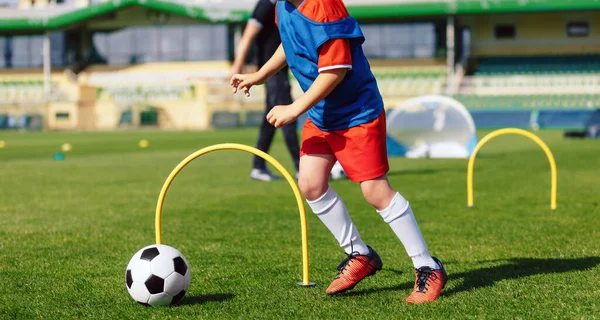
(208, 4)
(29, 95)
(518, 85)
(39, 11)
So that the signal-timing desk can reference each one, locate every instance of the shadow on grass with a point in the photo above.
(201, 299)
(403, 286)
(485, 277)
(518, 268)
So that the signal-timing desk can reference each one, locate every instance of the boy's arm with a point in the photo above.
(334, 62)
(324, 84)
(276, 63)
(319, 90)
(246, 81)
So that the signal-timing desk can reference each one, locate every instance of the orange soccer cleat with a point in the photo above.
(353, 269)
(428, 284)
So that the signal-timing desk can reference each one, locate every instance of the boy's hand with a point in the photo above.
(243, 82)
(279, 116)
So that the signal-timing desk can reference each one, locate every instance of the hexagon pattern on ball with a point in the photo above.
(157, 275)
(174, 283)
(155, 284)
(160, 299)
(150, 254)
(142, 270)
(164, 264)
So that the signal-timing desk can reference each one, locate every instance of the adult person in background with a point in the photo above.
(261, 27)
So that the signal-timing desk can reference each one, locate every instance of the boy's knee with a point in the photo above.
(379, 198)
(396, 208)
(372, 197)
(311, 189)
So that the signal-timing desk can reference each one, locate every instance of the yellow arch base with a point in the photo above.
(272, 161)
(518, 132)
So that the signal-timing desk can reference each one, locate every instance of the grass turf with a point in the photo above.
(68, 229)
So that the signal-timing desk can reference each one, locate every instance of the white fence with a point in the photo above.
(528, 85)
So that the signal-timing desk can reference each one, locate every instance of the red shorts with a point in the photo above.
(361, 150)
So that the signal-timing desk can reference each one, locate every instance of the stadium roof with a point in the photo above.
(220, 11)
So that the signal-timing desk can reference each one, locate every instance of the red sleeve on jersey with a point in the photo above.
(335, 54)
(324, 10)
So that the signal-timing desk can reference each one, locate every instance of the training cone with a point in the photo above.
(2, 144)
(144, 143)
(59, 156)
(66, 147)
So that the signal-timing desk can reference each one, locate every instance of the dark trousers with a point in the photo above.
(278, 93)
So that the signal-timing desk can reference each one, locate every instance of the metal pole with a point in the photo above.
(47, 66)
(450, 52)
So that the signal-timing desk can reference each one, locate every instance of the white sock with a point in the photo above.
(401, 219)
(333, 213)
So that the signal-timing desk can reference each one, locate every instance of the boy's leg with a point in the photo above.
(326, 203)
(364, 158)
(397, 213)
(395, 210)
(361, 260)
(315, 165)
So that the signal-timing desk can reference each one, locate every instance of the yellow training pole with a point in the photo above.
(521, 132)
(268, 158)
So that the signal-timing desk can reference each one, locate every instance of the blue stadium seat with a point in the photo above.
(3, 121)
(501, 119)
(225, 119)
(564, 119)
(539, 65)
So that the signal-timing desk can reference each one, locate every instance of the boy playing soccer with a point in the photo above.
(322, 45)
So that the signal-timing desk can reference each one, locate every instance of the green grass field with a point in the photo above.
(68, 229)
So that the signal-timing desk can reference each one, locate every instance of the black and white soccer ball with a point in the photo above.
(157, 275)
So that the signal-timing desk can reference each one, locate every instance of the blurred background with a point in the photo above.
(111, 65)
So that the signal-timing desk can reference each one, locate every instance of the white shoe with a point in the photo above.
(262, 175)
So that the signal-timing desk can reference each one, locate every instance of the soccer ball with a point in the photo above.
(337, 172)
(157, 275)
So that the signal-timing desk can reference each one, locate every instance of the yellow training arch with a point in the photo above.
(268, 158)
(521, 132)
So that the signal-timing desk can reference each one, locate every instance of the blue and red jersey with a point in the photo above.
(319, 35)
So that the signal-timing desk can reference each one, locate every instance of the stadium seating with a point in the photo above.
(530, 102)
(403, 81)
(22, 92)
(541, 91)
(538, 65)
(525, 85)
(565, 75)
(537, 111)
(410, 81)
